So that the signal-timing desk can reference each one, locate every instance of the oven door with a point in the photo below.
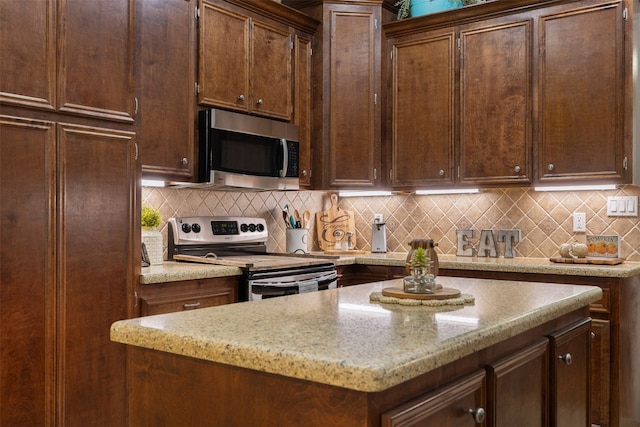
(277, 283)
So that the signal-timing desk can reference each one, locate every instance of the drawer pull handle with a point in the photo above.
(566, 358)
(478, 415)
(191, 305)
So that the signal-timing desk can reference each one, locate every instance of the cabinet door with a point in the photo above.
(570, 376)
(96, 54)
(354, 82)
(581, 94)
(459, 404)
(95, 257)
(223, 68)
(270, 78)
(166, 73)
(27, 271)
(302, 102)
(600, 371)
(518, 388)
(33, 50)
(423, 110)
(495, 102)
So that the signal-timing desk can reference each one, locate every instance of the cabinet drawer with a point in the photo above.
(150, 306)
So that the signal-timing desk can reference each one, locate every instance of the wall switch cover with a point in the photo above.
(622, 206)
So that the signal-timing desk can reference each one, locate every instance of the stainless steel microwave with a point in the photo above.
(240, 151)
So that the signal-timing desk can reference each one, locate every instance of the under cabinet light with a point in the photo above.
(577, 187)
(365, 193)
(152, 183)
(448, 191)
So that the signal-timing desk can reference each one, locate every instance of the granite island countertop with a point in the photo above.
(338, 337)
(171, 271)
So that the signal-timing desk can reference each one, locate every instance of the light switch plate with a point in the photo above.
(622, 206)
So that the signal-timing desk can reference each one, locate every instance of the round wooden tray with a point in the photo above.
(444, 293)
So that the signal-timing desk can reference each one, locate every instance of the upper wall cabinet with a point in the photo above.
(53, 64)
(165, 47)
(511, 93)
(423, 81)
(583, 92)
(347, 96)
(495, 101)
(244, 63)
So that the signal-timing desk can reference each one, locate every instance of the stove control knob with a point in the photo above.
(252, 227)
(196, 228)
(186, 228)
(244, 228)
(260, 228)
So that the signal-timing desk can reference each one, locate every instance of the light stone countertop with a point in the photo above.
(173, 271)
(338, 337)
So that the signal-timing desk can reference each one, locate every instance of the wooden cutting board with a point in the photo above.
(588, 260)
(332, 222)
(444, 293)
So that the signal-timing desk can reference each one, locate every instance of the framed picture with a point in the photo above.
(603, 246)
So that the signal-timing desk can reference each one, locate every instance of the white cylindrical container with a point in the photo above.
(297, 240)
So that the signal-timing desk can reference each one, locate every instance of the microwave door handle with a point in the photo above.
(285, 158)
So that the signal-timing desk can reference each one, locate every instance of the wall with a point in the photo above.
(544, 218)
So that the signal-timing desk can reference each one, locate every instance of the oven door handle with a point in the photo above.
(293, 280)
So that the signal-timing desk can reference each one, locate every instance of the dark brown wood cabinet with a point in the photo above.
(495, 96)
(184, 295)
(570, 376)
(67, 195)
(165, 78)
(509, 95)
(347, 95)
(56, 64)
(614, 380)
(245, 63)
(303, 103)
(583, 92)
(68, 181)
(447, 406)
(423, 122)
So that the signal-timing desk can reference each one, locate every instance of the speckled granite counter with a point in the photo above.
(338, 337)
(174, 271)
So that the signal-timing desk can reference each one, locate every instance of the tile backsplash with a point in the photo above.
(544, 218)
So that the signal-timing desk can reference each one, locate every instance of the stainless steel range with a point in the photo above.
(241, 242)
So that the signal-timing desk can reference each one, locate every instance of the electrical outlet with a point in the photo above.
(579, 222)
(377, 218)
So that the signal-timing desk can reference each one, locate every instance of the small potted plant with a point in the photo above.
(421, 280)
(407, 8)
(152, 238)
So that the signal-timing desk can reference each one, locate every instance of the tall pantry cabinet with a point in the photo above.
(67, 210)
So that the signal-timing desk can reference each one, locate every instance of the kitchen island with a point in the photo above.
(336, 358)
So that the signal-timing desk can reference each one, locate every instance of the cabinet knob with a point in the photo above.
(241, 97)
(441, 172)
(593, 335)
(184, 161)
(516, 169)
(478, 415)
(550, 166)
(566, 358)
(304, 172)
(259, 102)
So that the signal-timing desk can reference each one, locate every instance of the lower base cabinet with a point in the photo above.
(516, 382)
(170, 297)
(546, 383)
